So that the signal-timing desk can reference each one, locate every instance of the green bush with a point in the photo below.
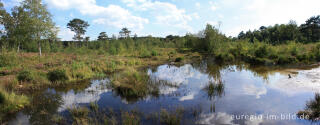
(25, 76)
(57, 75)
(225, 57)
(145, 54)
(261, 51)
(179, 59)
(113, 50)
(286, 59)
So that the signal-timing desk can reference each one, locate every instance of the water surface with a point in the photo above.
(266, 94)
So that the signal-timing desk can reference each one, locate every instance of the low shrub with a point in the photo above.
(25, 76)
(145, 54)
(225, 57)
(57, 75)
(286, 59)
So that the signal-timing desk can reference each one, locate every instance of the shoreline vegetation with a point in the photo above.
(32, 56)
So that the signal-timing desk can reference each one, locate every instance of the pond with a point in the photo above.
(207, 92)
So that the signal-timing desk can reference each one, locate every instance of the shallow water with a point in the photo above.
(265, 94)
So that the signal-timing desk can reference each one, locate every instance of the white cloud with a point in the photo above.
(165, 13)
(112, 15)
(195, 15)
(213, 6)
(303, 82)
(254, 90)
(216, 119)
(198, 5)
(213, 23)
(65, 33)
(255, 13)
(11, 3)
(187, 97)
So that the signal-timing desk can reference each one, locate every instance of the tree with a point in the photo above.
(3, 15)
(125, 33)
(79, 27)
(18, 27)
(87, 39)
(103, 36)
(29, 22)
(311, 29)
(241, 35)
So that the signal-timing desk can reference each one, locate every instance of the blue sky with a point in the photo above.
(177, 17)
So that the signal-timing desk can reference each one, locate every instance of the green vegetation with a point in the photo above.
(171, 118)
(312, 110)
(29, 30)
(57, 75)
(214, 89)
(11, 102)
(133, 85)
(25, 76)
(130, 118)
(93, 115)
(80, 115)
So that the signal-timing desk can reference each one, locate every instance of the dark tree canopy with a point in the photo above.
(311, 29)
(79, 27)
(124, 33)
(278, 34)
(103, 36)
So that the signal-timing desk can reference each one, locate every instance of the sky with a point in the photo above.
(175, 17)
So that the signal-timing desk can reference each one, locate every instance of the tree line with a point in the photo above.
(29, 27)
(281, 33)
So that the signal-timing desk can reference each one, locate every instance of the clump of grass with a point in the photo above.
(130, 118)
(94, 107)
(171, 118)
(154, 53)
(79, 115)
(25, 76)
(80, 71)
(57, 75)
(214, 89)
(131, 84)
(11, 102)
